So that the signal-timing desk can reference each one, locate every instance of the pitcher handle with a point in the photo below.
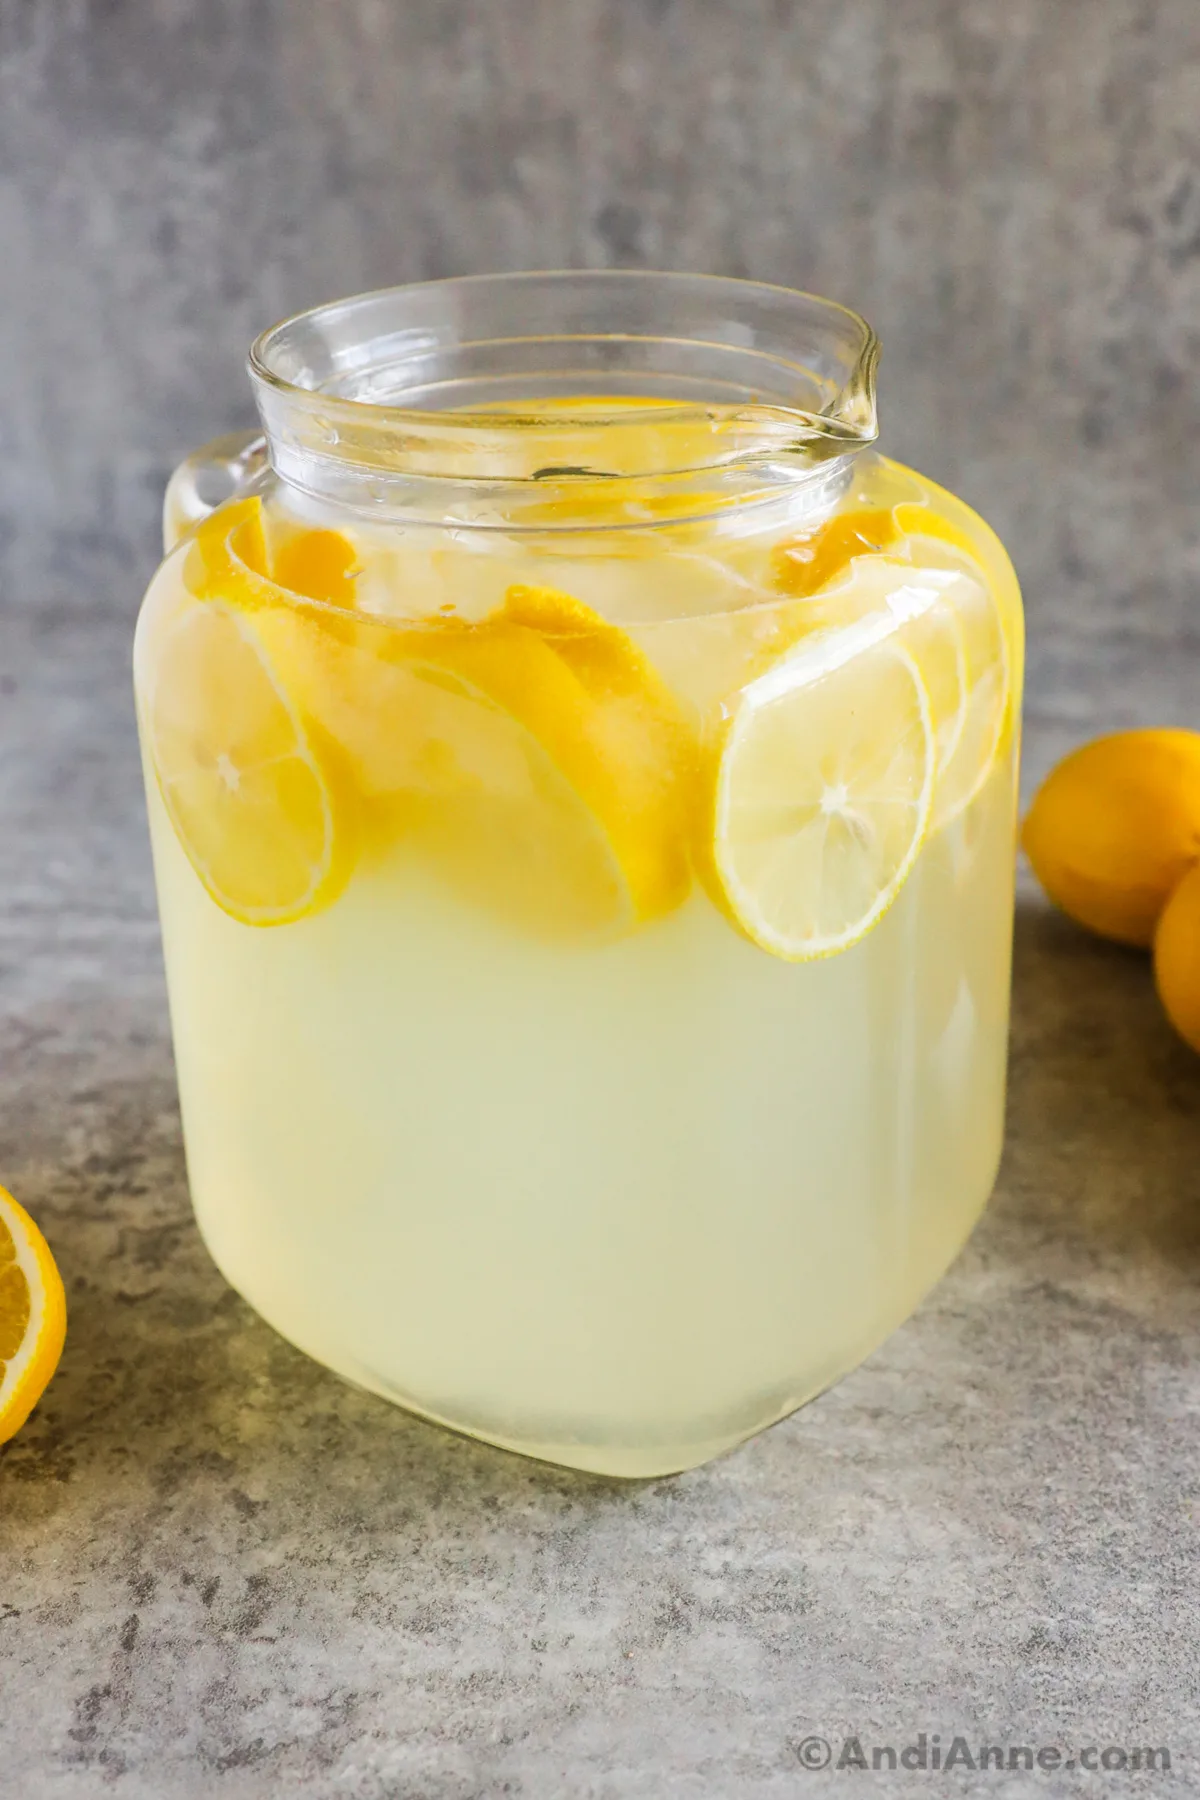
(209, 477)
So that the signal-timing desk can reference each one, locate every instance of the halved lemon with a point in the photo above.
(33, 1316)
(259, 811)
(823, 792)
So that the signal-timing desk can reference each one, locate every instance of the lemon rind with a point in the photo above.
(38, 1356)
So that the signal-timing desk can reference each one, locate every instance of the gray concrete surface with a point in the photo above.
(221, 1571)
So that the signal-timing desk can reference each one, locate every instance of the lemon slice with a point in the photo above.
(227, 555)
(937, 594)
(813, 559)
(33, 1316)
(985, 709)
(523, 797)
(534, 759)
(824, 791)
(255, 807)
(489, 805)
(551, 769)
(319, 564)
(634, 755)
(923, 604)
(611, 667)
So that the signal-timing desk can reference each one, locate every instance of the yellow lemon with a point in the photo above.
(1115, 827)
(1177, 958)
(33, 1316)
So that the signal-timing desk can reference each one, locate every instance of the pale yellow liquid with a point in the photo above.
(617, 1206)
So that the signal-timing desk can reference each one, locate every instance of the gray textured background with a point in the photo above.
(221, 1571)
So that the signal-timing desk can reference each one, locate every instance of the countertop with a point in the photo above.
(225, 1572)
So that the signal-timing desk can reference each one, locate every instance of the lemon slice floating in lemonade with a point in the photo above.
(824, 791)
(959, 644)
(533, 758)
(260, 812)
(548, 774)
(250, 799)
(985, 710)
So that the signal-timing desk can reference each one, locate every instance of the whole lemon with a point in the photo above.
(1115, 827)
(1177, 958)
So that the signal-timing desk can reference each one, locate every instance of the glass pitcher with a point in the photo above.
(581, 782)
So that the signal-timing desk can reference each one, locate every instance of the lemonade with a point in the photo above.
(511, 1116)
(587, 904)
